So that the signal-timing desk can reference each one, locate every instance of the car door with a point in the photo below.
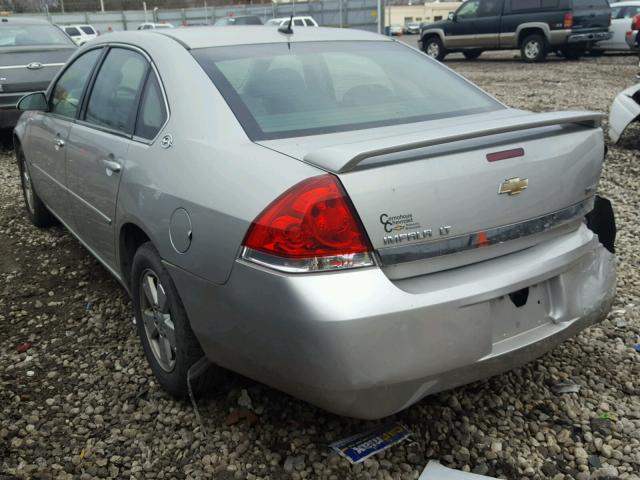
(98, 145)
(48, 134)
(487, 23)
(462, 31)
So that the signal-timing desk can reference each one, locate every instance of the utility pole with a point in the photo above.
(62, 5)
(144, 7)
(102, 6)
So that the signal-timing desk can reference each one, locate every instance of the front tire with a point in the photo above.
(168, 342)
(433, 47)
(534, 48)
(37, 211)
(472, 54)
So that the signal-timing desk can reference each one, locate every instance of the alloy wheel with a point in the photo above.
(532, 49)
(158, 325)
(433, 50)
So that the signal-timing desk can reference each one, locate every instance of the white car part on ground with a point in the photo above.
(625, 109)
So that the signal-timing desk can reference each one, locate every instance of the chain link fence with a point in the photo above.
(361, 14)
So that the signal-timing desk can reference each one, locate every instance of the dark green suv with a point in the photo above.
(536, 27)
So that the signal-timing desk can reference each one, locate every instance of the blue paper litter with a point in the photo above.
(358, 448)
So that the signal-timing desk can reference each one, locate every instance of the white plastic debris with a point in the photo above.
(435, 471)
(565, 387)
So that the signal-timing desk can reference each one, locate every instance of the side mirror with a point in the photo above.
(34, 101)
(452, 16)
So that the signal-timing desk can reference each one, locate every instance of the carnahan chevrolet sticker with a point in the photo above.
(398, 222)
(358, 448)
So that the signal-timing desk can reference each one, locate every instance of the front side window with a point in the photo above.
(67, 93)
(489, 8)
(307, 88)
(17, 35)
(114, 96)
(153, 112)
(468, 10)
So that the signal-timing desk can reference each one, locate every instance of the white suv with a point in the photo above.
(297, 21)
(80, 34)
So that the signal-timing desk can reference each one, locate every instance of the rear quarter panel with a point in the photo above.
(212, 170)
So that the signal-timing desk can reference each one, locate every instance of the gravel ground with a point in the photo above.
(80, 402)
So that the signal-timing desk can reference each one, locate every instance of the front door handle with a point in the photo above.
(111, 166)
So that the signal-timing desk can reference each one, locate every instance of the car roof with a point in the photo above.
(23, 21)
(626, 3)
(203, 37)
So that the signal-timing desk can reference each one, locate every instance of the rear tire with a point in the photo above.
(37, 212)
(472, 54)
(168, 342)
(534, 48)
(433, 47)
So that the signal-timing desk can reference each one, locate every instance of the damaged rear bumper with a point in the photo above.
(625, 109)
(359, 344)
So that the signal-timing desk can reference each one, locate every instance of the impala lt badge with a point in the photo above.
(513, 186)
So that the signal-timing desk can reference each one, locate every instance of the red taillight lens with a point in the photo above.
(312, 226)
(568, 20)
(635, 23)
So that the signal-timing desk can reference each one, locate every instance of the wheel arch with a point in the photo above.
(531, 28)
(130, 236)
(433, 32)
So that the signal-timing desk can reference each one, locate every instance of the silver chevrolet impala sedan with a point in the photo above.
(327, 211)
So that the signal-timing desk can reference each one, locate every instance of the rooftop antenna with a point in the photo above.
(287, 29)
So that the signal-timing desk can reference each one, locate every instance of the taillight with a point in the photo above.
(635, 23)
(310, 227)
(568, 20)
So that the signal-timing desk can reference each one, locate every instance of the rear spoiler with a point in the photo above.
(345, 157)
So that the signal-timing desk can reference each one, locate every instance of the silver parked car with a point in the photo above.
(290, 207)
(32, 51)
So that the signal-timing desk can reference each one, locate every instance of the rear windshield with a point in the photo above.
(24, 35)
(73, 31)
(280, 90)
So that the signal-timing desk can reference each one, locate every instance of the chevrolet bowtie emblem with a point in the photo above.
(513, 186)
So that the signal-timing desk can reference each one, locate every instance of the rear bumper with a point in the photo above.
(357, 344)
(589, 37)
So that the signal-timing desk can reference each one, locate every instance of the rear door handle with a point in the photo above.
(111, 166)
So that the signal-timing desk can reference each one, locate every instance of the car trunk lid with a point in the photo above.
(456, 192)
(28, 69)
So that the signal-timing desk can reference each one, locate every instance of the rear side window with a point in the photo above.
(298, 22)
(525, 5)
(88, 30)
(153, 112)
(114, 97)
(73, 31)
(67, 93)
(590, 4)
